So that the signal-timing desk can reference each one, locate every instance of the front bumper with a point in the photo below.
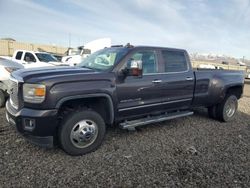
(37, 126)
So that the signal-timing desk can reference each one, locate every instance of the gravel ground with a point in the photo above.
(193, 151)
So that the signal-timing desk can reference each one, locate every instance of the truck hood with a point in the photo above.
(34, 75)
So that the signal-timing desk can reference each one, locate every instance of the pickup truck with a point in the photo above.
(128, 86)
(31, 59)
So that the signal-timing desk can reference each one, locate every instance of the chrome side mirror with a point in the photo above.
(135, 68)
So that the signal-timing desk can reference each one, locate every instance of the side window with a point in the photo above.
(175, 61)
(29, 57)
(19, 55)
(148, 59)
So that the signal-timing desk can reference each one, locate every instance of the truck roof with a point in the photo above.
(145, 47)
(30, 51)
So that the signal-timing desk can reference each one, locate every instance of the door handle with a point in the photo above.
(157, 81)
(189, 78)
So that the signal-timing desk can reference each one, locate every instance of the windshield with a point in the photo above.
(44, 57)
(103, 59)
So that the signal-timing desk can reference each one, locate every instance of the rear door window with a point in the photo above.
(19, 55)
(174, 61)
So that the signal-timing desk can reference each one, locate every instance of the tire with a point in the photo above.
(2, 98)
(82, 132)
(212, 112)
(227, 108)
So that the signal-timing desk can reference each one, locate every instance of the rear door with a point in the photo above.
(18, 56)
(141, 95)
(177, 79)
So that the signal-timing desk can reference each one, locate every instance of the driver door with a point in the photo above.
(140, 95)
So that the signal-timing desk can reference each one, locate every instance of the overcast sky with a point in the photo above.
(205, 26)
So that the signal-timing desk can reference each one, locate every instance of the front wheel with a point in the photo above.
(82, 132)
(227, 108)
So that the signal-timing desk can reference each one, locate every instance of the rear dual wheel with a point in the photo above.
(224, 111)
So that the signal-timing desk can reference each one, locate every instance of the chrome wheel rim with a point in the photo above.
(230, 108)
(84, 133)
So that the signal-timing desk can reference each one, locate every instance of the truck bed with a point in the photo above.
(210, 82)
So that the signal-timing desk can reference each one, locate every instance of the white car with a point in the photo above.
(205, 66)
(32, 59)
(6, 68)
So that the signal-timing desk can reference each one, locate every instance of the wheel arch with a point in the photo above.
(236, 90)
(98, 102)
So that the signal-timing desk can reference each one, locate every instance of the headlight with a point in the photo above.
(34, 93)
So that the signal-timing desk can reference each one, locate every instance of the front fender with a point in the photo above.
(86, 96)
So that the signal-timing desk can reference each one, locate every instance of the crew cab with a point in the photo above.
(31, 59)
(122, 85)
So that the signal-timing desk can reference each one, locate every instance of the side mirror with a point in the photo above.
(135, 68)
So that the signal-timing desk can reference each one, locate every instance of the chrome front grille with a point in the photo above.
(13, 91)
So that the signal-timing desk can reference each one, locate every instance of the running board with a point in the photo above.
(130, 125)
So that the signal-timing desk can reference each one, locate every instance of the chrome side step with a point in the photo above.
(130, 125)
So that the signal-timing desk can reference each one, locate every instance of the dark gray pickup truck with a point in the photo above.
(122, 85)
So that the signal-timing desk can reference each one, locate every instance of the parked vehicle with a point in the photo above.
(241, 63)
(207, 66)
(126, 86)
(58, 57)
(31, 59)
(247, 73)
(225, 63)
(76, 55)
(6, 57)
(6, 67)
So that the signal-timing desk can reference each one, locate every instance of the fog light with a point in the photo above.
(29, 124)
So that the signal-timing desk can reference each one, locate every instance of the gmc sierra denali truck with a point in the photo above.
(122, 85)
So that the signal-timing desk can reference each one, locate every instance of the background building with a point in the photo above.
(9, 45)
